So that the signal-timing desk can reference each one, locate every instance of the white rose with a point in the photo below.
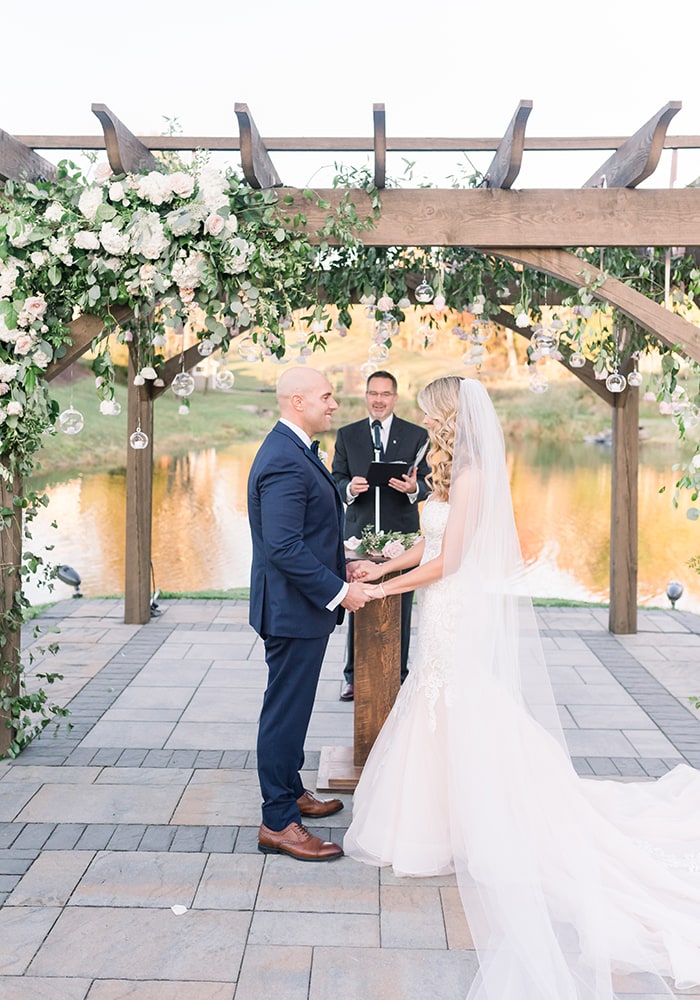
(35, 306)
(385, 303)
(41, 359)
(439, 302)
(113, 240)
(108, 408)
(116, 191)
(182, 184)
(89, 201)
(14, 408)
(240, 255)
(38, 258)
(4, 388)
(54, 213)
(214, 224)
(148, 372)
(8, 372)
(24, 344)
(103, 172)
(85, 240)
(522, 320)
(147, 272)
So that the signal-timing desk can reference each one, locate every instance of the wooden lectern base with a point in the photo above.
(377, 681)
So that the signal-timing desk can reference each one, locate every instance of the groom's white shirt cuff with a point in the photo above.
(303, 436)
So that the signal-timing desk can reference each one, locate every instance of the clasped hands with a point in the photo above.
(362, 572)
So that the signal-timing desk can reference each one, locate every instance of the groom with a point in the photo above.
(297, 594)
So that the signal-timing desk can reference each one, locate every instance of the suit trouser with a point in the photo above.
(293, 666)
(406, 607)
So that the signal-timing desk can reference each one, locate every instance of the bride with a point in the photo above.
(566, 882)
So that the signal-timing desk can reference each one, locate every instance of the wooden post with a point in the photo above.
(10, 584)
(139, 502)
(623, 513)
(377, 682)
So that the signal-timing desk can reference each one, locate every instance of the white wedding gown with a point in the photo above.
(565, 881)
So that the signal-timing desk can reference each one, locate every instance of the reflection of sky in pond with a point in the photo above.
(561, 497)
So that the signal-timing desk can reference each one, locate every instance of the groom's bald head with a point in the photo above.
(305, 398)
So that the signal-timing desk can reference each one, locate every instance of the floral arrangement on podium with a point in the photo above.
(382, 544)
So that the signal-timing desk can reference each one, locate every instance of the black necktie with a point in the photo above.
(314, 447)
(377, 428)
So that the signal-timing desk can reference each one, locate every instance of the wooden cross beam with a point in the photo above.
(258, 168)
(638, 157)
(18, 161)
(379, 115)
(83, 331)
(126, 153)
(505, 165)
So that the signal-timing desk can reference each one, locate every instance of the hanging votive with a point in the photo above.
(138, 439)
(538, 383)
(110, 408)
(71, 421)
(249, 350)
(615, 382)
(205, 348)
(224, 379)
(368, 368)
(378, 353)
(635, 379)
(424, 292)
(545, 341)
(183, 384)
(577, 360)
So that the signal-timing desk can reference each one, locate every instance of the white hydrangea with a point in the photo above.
(89, 201)
(9, 272)
(59, 247)
(41, 359)
(182, 221)
(146, 235)
(213, 189)
(85, 240)
(113, 239)
(189, 272)
(38, 258)
(54, 213)
(154, 187)
(8, 372)
(7, 336)
(238, 257)
(116, 191)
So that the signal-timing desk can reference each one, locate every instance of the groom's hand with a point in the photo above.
(355, 597)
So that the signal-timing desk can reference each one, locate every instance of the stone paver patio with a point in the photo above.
(150, 801)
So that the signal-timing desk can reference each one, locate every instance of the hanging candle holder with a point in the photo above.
(538, 383)
(424, 292)
(616, 381)
(224, 379)
(138, 440)
(635, 378)
(205, 348)
(183, 384)
(577, 360)
(71, 421)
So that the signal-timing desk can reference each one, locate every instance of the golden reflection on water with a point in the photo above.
(561, 497)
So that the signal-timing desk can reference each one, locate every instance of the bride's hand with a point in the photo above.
(364, 569)
(374, 592)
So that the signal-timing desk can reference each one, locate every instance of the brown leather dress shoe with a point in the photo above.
(347, 693)
(309, 805)
(296, 841)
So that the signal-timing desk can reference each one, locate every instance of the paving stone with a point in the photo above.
(36, 988)
(269, 972)
(220, 839)
(126, 838)
(230, 881)
(157, 838)
(51, 879)
(9, 833)
(189, 838)
(64, 837)
(411, 917)
(105, 803)
(139, 879)
(34, 835)
(247, 840)
(96, 836)
(336, 887)
(379, 973)
(316, 929)
(22, 931)
(120, 989)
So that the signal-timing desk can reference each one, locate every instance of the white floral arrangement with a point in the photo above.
(382, 544)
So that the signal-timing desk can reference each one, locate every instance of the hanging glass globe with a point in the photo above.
(110, 408)
(577, 360)
(635, 379)
(71, 421)
(545, 341)
(249, 350)
(224, 379)
(424, 292)
(368, 368)
(378, 352)
(205, 348)
(615, 382)
(480, 332)
(538, 383)
(138, 440)
(183, 384)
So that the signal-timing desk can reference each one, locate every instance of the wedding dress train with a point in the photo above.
(565, 881)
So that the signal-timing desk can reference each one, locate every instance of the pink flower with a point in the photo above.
(35, 305)
(4, 388)
(14, 408)
(665, 408)
(385, 303)
(214, 224)
(103, 172)
(23, 344)
(393, 549)
(439, 302)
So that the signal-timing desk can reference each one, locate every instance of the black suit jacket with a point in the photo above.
(354, 451)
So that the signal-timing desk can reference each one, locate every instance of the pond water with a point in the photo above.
(561, 497)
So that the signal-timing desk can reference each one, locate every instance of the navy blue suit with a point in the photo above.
(296, 522)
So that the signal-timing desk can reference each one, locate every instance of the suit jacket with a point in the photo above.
(354, 450)
(296, 522)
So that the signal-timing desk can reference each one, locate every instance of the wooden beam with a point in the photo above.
(83, 331)
(19, 161)
(379, 115)
(258, 168)
(622, 618)
(638, 157)
(669, 327)
(126, 153)
(505, 165)
(527, 218)
(340, 144)
(139, 504)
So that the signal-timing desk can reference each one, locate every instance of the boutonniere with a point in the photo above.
(323, 456)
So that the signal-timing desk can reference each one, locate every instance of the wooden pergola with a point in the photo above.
(532, 227)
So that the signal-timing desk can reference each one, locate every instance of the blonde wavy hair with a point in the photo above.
(439, 400)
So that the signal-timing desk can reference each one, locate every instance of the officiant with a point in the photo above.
(383, 437)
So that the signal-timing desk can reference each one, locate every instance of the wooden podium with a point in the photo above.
(377, 682)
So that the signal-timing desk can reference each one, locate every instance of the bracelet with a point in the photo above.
(381, 587)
